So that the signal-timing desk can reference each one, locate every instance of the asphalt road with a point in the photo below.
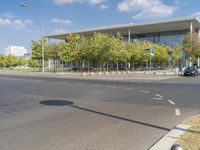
(63, 114)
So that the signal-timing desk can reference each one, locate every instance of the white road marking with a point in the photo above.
(146, 92)
(130, 89)
(96, 85)
(158, 95)
(110, 86)
(78, 83)
(157, 98)
(171, 102)
(177, 112)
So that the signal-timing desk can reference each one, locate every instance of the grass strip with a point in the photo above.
(190, 140)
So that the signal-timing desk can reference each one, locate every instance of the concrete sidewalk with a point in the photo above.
(102, 76)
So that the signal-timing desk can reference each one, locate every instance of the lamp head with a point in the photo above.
(23, 5)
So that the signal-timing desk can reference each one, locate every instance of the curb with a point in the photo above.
(166, 142)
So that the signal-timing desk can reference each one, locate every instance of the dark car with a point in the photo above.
(191, 71)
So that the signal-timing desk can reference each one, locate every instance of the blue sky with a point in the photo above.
(18, 26)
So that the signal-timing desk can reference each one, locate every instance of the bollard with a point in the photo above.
(92, 73)
(112, 72)
(176, 147)
(83, 74)
(100, 73)
(106, 73)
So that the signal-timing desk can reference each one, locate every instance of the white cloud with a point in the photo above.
(9, 14)
(32, 31)
(61, 21)
(96, 2)
(182, 2)
(62, 2)
(103, 6)
(58, 31)
(196, 14)
(21, 24)
(146, 9)
(93, 2)
(5, 22)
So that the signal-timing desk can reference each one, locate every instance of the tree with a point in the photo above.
(32, 63)
(20, 61)
(160, 54)
(71, 49)
(54, 51)
(176, 54)
(191, 45)
(37, 51)
(11, 61)
(2, 61)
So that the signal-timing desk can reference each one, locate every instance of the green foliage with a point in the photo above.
(31, 63)
(191, 45)
(2, 61)
(37, 49)
(21, 61)
(11, 61)
(160, 54)
(101, 48)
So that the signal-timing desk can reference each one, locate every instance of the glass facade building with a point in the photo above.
(170, 38)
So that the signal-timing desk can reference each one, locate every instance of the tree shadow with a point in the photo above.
(121, 118)
(56, 102)
(188, 130)
(71, 104)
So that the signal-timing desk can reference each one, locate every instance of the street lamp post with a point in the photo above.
(41, 33)
(151, 52)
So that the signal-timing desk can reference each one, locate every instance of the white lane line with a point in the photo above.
(130, 89)
(159, 95)
(96, 85)
(78, 83)
(157, 98)
(171, 102)
(110, 86)
(143, 91)
(177, 112)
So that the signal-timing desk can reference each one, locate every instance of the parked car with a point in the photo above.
(198, 68)
(191, 71)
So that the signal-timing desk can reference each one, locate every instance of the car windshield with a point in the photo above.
(190, 68)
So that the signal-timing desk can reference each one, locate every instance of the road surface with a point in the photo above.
(62, 114)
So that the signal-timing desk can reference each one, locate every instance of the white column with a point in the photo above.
(129, 35)
(191, 27)
(49, 60)
(49, 63)
(199, 32)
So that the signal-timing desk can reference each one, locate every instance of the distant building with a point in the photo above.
(18, 51)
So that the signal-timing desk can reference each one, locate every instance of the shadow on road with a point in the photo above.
(188, 130)
(56, 102)
(71, 104)
(121, 118)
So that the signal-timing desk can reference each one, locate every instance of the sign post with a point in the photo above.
(151, 53)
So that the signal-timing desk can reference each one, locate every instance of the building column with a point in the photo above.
(49, 60)
(198, 32)
(129, 35)
(191, 27)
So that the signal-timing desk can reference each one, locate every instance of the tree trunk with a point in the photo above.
(107, 66)
(117, 66)
(71, 66)
(126, 66)
(88, 66)
(54, 65)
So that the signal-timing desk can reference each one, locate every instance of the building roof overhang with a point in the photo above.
(138, 28)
